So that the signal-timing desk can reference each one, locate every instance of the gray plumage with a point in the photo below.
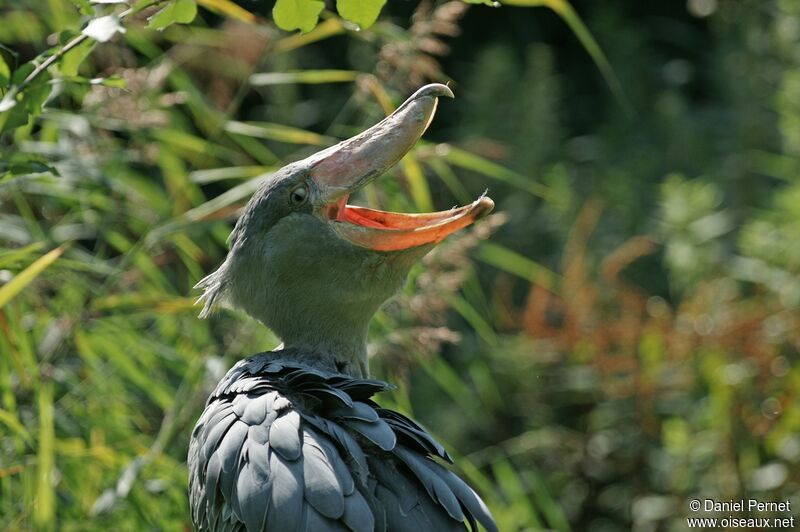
(285, 447)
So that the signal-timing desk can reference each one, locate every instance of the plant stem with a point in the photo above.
(50, 60)
(67, 47)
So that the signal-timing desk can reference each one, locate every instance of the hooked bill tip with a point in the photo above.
(485, 206)
(434, 90)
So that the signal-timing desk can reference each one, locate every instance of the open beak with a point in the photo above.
(346, 167)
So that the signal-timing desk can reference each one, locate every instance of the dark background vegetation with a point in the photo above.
(626, 339)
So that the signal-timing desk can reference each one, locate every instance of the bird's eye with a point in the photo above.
(299, 195)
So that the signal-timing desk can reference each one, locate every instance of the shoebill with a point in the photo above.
(292, 440)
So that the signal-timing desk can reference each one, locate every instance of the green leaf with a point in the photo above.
(103, 29)
(35, 96)
(9, 100)
(24, 167)
(21, 73)
(71, 61)
(114, 82)
(5, 72)
(84, 7)
(297, 14)
(140, 5)
(180, 12)
(363, 13)
(12, 114)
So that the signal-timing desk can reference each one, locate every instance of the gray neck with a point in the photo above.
(341, 346)
(315, 291)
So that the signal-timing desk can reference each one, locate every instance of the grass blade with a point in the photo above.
(277, 132)
(568, 14)
(44, 509)
(13, 423)
(475, 163)
(311, 77)
(10, 290)
(229, 9)
(512, 262)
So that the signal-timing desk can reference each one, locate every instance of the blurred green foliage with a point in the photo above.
(627, 339)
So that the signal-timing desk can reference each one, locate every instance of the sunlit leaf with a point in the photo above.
(363, 13)
(180, 12)
(9, 100)
(70, 62)
(5, 72)
(84, 6)
(297, 14)
(115, 82)
(103, 29)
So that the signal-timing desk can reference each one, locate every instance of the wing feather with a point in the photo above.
(282, 447)
(408, 506)
(216, 433)
(357, 513)
(434, 485)
(286, 502)
(252, 487)
(377, 432)
(345, 441)
(284, 435)
(257, 407)
(322, 488)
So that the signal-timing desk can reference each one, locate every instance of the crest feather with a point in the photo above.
(213, 286)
